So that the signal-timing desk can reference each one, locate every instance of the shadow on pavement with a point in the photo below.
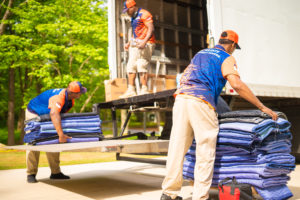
(107, 183)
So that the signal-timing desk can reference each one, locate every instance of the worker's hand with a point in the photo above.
(63, 138)
(141, 44)
(269, 112)
(127, 46)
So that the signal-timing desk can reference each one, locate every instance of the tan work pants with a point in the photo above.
(192, 118)
(32, 157)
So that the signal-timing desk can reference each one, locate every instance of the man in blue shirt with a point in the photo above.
(53, 102)
(194, 114)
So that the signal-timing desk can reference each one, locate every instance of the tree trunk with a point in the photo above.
(89, 98)
(5, 17)
(11, 107)
(23, 87)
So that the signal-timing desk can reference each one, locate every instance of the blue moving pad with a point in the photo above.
(280, 192)
(262, 130)
(254, 149)
(248, 113)
(245, 178)
(72, 122)
(88, 125)
(265, 170)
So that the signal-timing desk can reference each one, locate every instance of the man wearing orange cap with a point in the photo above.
(53, 102)
(141, 46)
(194, 114)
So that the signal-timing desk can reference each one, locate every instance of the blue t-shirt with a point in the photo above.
(40, 104)
(203, 77)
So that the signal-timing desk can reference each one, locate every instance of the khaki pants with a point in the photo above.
(32, 157)
(139, 58)
(192, 118)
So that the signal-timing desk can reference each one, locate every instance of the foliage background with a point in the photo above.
(45, 44)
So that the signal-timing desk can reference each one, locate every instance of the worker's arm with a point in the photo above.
(127, 45)
(55, 105)
(149, 24)
(56, 120)
(243, 90)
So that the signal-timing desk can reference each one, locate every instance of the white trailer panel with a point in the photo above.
(269, 37)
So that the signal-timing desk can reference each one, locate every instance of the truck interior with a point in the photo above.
(181, 29)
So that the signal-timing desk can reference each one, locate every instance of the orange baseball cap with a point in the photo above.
(128, 4)
(76, 87)
(231, 35)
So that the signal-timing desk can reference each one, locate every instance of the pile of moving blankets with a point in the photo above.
(254, 149)
(82, 127)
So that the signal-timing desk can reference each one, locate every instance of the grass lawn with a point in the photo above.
(14, 159)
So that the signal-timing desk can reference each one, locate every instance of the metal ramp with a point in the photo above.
(118, 146)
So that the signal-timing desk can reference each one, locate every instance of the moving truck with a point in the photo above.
(268, 31)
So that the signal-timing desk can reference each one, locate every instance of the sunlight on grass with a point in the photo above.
(14, 159)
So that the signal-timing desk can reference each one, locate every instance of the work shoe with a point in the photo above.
(166, 197)
(144, 90)
(59, 176)
(31, 178)
(130, 92)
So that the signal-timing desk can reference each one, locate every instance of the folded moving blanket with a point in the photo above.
(259, 182)
(281, 146)
(230, 150)
(277, 158)
(226, 159)
(32, 126)
(262, 130)
(265, 170)
(248, 113)
(275, 193)
(236, 134)
(233, 141)
(83, 126)
(47, 117)
(74, 122)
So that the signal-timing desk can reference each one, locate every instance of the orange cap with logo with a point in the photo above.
(76, 87)
(231, 35)
(128, 4)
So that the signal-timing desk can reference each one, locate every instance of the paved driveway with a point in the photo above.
(120, 180)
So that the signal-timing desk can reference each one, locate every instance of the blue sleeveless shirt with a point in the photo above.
(203, 77)
(39, 104)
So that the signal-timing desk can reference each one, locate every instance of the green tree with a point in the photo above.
(46, 44)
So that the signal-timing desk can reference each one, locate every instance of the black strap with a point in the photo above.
(221, 183)
(233, 184)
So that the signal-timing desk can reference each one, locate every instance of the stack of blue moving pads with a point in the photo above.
(82, 127)
(254, 149)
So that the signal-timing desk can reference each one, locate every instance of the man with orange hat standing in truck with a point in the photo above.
(141, 46)
(194, 114)
(53, 102)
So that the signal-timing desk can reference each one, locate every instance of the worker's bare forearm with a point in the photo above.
(248, 95)
(56, 120)
(149, 32)
(243, 90)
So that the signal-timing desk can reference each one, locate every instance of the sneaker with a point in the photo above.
(144, 90)
(166, 197)
(59, 176)
(31, 178)
(130, 92)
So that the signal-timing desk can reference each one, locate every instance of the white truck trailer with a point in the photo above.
(268, 31)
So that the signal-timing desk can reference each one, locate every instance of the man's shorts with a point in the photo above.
(139, 59)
